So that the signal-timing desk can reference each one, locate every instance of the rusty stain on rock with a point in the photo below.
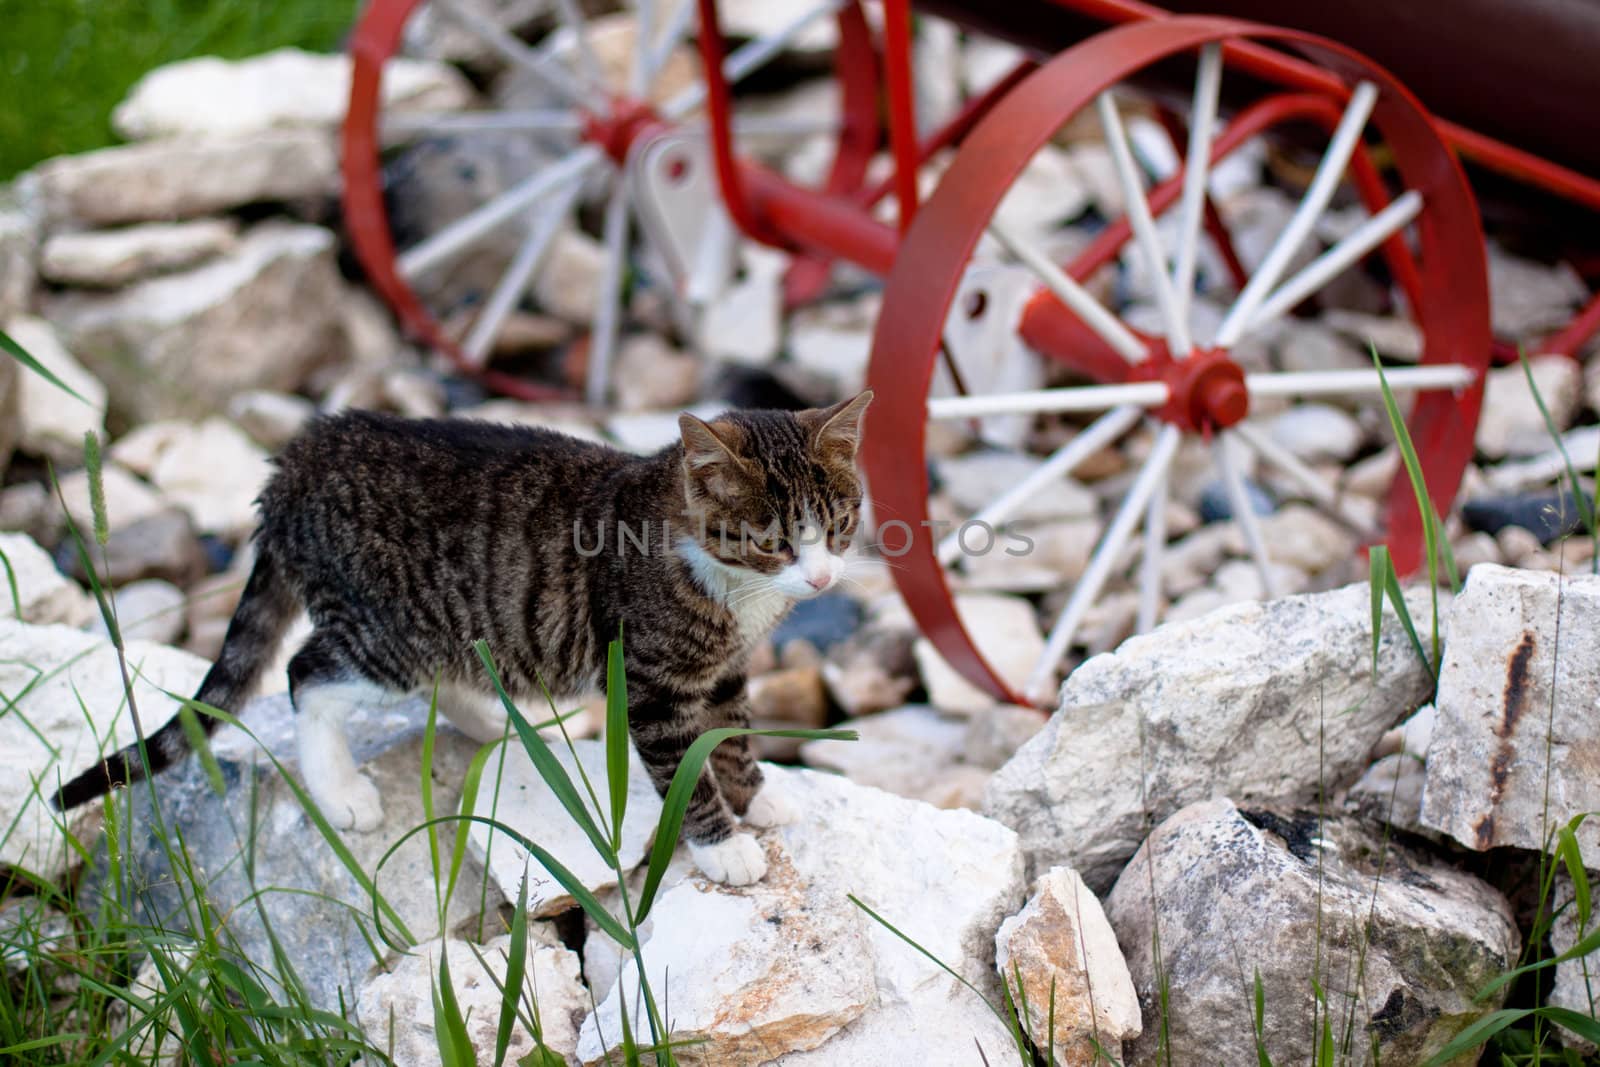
(1517, 688)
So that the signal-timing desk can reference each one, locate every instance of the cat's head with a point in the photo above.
(775, 493)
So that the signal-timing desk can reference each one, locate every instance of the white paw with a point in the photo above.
(770, 808)
(736, 860)
(354, 805)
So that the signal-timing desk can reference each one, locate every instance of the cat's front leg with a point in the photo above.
(662, 733)
(749, 792)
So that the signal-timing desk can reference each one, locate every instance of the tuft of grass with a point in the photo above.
(65, 64)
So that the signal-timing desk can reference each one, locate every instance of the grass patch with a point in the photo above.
(64, 64)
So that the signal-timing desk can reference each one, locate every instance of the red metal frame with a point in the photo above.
(1451, 304)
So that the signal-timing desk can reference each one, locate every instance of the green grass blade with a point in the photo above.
(195, 734)
(11, 584)
(516, 960)
(1585, 1026)
(570, 882)
(616, 737)
(1585, 507)
(450, 1029)
(555, 776)
(1260, 1007)
(1419, 489)
(676, 802)
(1572, 859)
(22, 356)
(1475, 1035)
(1397, 597)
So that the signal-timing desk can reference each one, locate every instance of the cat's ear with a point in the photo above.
(711, 456)
(836, 431)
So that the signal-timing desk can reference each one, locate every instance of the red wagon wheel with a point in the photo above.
(601, 123)
(1428, 233)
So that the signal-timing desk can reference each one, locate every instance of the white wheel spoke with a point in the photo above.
(1243, 513)
(746, 59)
(1043, 401)
(644, 18)
(514, 283)
(1334, 261)
(1357, 382)
(1105, 557)
(588, 67)
(714, 253)
(481, 221)
(607, 309)
(1197, 167)
(1345, 138)
(1097, 435)
(510, 48)
(1318, 488)
(672, 34)
(1155, 546)
(1144, 226)
(454, 122)
(780, 126)
(1094, 314)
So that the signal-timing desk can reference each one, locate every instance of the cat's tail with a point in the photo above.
(265, 610)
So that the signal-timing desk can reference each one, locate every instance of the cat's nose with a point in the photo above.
(819, 582)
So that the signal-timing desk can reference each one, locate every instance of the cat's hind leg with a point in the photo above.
(481, 716)
(324, 689)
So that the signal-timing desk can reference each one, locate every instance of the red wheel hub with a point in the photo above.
(1208, 389)
(622, 123)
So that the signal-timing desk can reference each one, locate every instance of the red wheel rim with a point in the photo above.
(1451, 306)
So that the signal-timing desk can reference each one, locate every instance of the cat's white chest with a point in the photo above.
(753, 600)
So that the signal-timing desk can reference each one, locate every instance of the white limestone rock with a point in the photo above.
(44, 594)
(1506, 693)
(975, 479)
(912, 751)
(526, 804)
(1510, 423)
(1006, 632)
(1299, 899)
(128, 500)
(19, 243)
(1258, 700)
(211, 97)
(743, 324)
(1316, 432)
(51, 421)
(106, 259)
(69, 691)
(1061, 950)
(183, 345)
(147, 610)
(184, 178)
(271, 419)
(214, 472)
(567, 282)
(651, 375)
(1576, 988)
(1393, 336)
(395, 1004)
(789, 971)
(1527, 298)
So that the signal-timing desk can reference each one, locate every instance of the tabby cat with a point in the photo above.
(406, 540)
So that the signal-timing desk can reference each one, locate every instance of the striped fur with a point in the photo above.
(405, 541)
